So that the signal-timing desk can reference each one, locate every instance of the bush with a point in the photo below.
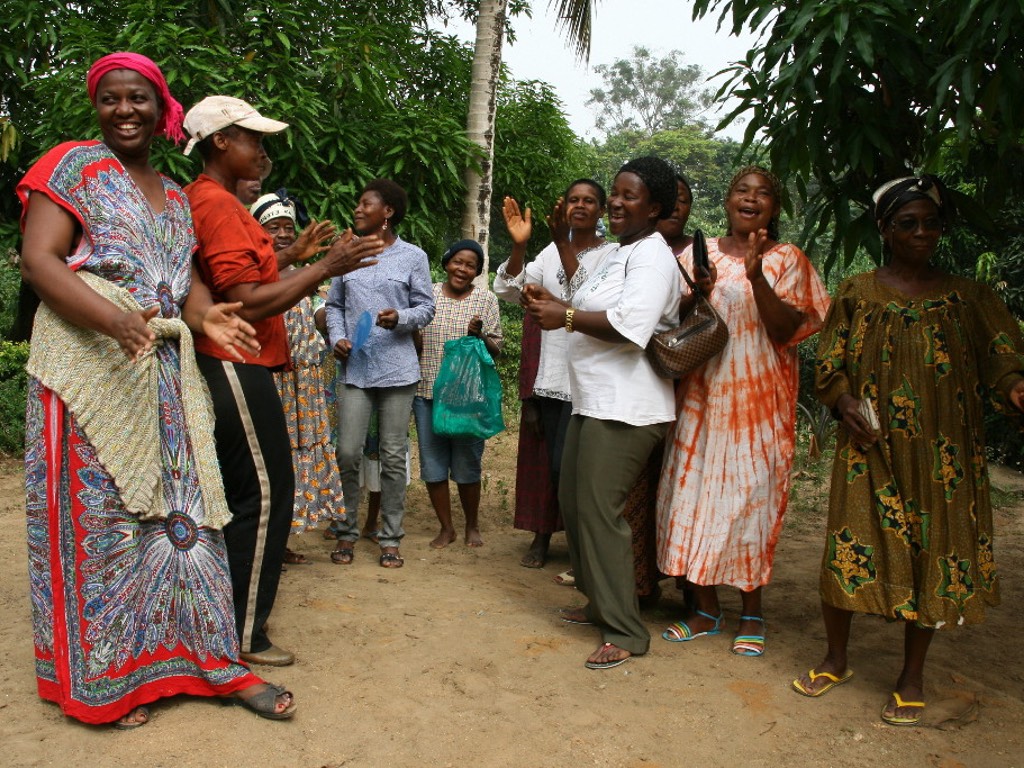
(13, 382)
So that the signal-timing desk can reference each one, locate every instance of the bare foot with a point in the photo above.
(536, 555)
(574, 616)
(473, 538)
(444, 538)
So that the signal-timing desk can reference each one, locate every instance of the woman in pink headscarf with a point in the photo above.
(131, 597)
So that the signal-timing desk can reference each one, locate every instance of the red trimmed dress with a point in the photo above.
(124, 611)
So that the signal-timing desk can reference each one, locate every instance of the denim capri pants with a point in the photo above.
(440, 456)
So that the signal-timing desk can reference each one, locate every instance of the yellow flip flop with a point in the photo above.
(833, 682)
(893, 720)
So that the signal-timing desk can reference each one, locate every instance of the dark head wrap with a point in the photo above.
(893, 195)
(465, 245)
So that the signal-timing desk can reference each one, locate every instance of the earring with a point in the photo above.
(385, 227)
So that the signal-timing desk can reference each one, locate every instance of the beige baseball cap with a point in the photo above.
(215, 113)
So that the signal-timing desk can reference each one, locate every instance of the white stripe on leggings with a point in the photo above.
(261, 473)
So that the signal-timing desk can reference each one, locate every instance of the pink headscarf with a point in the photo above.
(173, 114)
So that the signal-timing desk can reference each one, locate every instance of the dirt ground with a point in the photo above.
(459, 659)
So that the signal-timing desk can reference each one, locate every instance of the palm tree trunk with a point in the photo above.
(483, 99)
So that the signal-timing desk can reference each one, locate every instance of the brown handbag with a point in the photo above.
(699, 336)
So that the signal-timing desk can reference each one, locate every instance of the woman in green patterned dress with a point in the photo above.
(906, 356)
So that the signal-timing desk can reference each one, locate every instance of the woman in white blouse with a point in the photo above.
(621, 409)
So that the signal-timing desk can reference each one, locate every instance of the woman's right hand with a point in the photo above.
(343, 349)
(705, 279)
(349, 253)
(131, 332)
(860, 431)
(519, 227)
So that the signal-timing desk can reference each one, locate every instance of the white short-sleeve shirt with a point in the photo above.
(638, 287)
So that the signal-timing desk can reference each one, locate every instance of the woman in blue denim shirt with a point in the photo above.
(371, 321)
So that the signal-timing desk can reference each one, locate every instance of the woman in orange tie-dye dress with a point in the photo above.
(725, 482)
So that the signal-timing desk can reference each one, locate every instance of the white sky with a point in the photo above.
(540, 53)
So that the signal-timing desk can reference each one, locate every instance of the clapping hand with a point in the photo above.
(132, 334)
(520, 227)
(756, 242)
(558, 223)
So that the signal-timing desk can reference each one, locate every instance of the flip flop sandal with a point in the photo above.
(566, 579)
(607, 664)
(833, 682)
(749, 645)
(343, 556)
(680, 632)
(391, 560)
(264, 703)
(120, 725)
(894, 720)
(296, 558)
(573, 616)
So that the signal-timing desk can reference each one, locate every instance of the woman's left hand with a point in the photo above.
(1017, 395)
(756, 242)
(705, 279)
(229, 331)
(546, 309)
(387, 319)
(476, 326)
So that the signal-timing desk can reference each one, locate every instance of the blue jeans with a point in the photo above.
(440, 455)
(394, 405)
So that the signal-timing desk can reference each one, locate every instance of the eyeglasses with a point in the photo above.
(910, 224)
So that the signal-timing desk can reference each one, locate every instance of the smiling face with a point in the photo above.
(128, 110)
(632, 213)
(583, 207)
(281, 231)
(672, 227)
(371, 213)
(461, 269)
(912, 233)
(751, 204)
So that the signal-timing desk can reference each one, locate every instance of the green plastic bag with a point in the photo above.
(467, 391)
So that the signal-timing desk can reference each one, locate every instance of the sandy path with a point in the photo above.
(458, 659)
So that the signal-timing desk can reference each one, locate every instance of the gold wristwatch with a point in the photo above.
(568, 320)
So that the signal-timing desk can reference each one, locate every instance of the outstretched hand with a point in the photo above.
(349, 253)
(229, 331)
(310, 241)
(520, 227)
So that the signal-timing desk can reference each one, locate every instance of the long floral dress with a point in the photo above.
(725, 483)
(909, 531)
(318, 496)
(123, 611)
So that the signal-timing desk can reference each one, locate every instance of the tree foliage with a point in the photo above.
(850, 93)
(369, 88)
(648, 94)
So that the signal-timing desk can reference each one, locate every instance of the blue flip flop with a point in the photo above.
(680, 632)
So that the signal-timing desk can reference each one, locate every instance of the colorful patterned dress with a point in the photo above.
(318, 496)
(725, 482)
(123, 612)
(909, 531)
